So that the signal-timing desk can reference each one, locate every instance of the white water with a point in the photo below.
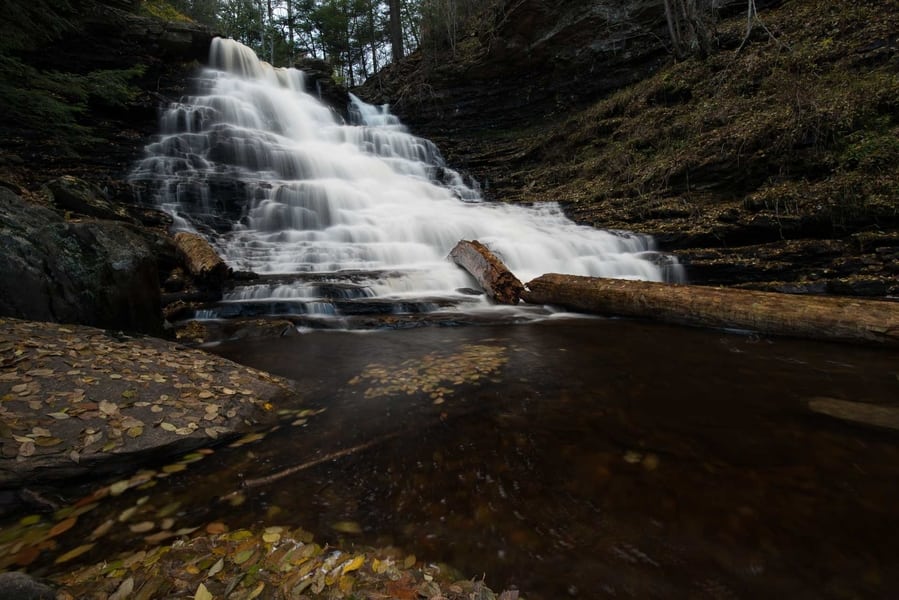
(313, 194)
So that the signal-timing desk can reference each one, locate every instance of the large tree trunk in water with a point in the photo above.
(491, 274)
(396, 30)
(814, 317)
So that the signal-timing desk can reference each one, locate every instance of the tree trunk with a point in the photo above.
(498, 282)
(271, 41)
(814, 317)
(200, 259)
(396, 30)
(290, 44)
(373, 37)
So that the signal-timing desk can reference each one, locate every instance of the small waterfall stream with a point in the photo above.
(281, 185)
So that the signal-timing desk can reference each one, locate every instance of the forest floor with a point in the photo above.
(770, 165)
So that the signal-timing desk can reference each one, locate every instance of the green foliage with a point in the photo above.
(161, 9)
(872, 151)
(25, 24)
(50, 103)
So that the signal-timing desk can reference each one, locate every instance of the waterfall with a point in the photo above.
(280, 184)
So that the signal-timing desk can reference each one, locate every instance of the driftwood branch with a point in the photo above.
(812, 317)
(261, 481)
(491, 274)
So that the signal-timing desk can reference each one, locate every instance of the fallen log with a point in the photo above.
(489, 271)
(813, 317)
(200, 259)
(862, 413)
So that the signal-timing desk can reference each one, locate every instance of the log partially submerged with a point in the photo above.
(491, 274)
(200, 259)
(861, 413)
(813, 317)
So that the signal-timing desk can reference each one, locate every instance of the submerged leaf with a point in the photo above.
(75, 553)
(62, 526)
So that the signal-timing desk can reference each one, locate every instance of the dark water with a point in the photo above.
(605, 459)
(579, 458)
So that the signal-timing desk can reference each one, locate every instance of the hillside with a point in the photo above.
(772, 166)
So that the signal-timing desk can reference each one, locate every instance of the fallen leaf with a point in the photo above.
(119, 487)
(26, 449)
(75, 553)
(102, 530)
(62, 526)
(124, 590)
(142, 527)
(218, 566)
(108, 408)
(202, 593)
(27, 555)
(347, 527)
(353, 565)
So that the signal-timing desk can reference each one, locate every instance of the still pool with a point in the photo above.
(585, 458)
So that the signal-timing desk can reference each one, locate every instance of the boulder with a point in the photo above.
(97, 273)
(19, 586)
(80, 401)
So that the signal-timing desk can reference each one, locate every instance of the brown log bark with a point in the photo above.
(491, 274)
(200, 259)
(812, 317)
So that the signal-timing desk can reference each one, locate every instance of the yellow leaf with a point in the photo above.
(73, 553)
(119, 487)
(345, 584)
(347, 527)
(202, 593)
(354, 564)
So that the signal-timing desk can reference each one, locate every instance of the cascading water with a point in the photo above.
(279, 184)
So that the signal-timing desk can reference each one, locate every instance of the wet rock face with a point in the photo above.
(92, 272)
(72, 194)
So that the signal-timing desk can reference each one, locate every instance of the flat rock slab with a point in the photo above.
(77, 400)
